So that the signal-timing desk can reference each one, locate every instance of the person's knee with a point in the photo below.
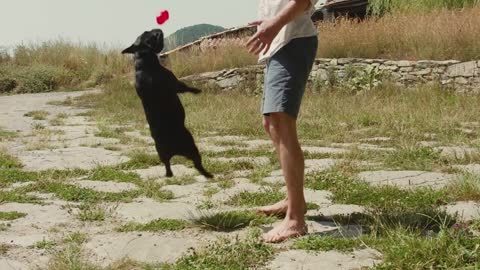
(266, 124)
(281, 123)
(272, 128)
(282, 127)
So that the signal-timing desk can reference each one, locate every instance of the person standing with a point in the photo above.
(286, 40)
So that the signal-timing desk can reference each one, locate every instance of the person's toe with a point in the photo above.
(268, 238)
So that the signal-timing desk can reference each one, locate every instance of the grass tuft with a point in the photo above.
(349, 190)
(92, 212)
(7, 161)
(76, 238)
(180, 181)
(327, 243)
(44, 244)
(152, 189)
(251, 199)
(4, 248)
(155, 226)
(415, 158)
(11, 215)
(113, 174)
(70, 257)
(466, 187)
(18, 197)
(9, 176)
(226, 254)
(230, 221)
(37, 115)
(77, 194)
(6, 135)
(140, 160)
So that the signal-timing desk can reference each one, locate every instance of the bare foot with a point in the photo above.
(289, 228)
(280, 208)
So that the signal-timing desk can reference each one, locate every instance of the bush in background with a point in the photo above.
(59, 64)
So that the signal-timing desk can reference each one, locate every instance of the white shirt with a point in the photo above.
(302, 26)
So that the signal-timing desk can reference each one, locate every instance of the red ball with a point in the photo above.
(164, 16)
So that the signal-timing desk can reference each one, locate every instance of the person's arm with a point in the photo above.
(268, 29)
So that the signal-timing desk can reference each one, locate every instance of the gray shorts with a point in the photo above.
(286, 76)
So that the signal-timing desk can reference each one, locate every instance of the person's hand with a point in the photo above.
(261, 41)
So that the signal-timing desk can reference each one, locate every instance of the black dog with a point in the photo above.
(157, 87)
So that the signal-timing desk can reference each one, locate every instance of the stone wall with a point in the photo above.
(461, 76)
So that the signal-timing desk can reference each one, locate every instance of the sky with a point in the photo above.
(113, 23)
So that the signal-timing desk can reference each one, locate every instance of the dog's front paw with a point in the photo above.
(195, 90)
(208, 175)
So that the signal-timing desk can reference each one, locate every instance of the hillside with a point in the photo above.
(189, 34)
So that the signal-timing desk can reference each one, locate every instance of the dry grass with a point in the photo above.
(436, 35)
(404, 115)
(119, 103)
(85, 60)
(379, 7)
(199, 60)
(60, 64)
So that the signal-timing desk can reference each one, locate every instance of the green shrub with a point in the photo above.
(4, 56)
(41, 78)
(7, 85)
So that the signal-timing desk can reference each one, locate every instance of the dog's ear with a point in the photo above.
(136, 46)
(131, 49)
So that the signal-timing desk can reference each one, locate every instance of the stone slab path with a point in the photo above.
(74, 145)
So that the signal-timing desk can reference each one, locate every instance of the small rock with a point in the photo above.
(470, 168)
(324, 150)
(159, 171)
(461, 80)
(337, 210)
(427, 143)
(331, 260)
(69, 158)
(407, 179)
(466, 69)
(456, 152)
(147, 210)
(118, 246)
(466, 211)
(373, 147)
(106, 186)
(421, 72)
(259, 161)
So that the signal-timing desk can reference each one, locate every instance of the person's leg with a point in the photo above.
(283, 131)
(285, 80)
(281, 206)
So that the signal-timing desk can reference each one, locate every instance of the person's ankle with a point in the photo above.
(295, 215)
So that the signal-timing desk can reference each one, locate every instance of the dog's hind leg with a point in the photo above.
(165, 158)
(190, 151)
(197, 162)
(168, 167)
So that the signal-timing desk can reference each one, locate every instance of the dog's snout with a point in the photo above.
(149, 41)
